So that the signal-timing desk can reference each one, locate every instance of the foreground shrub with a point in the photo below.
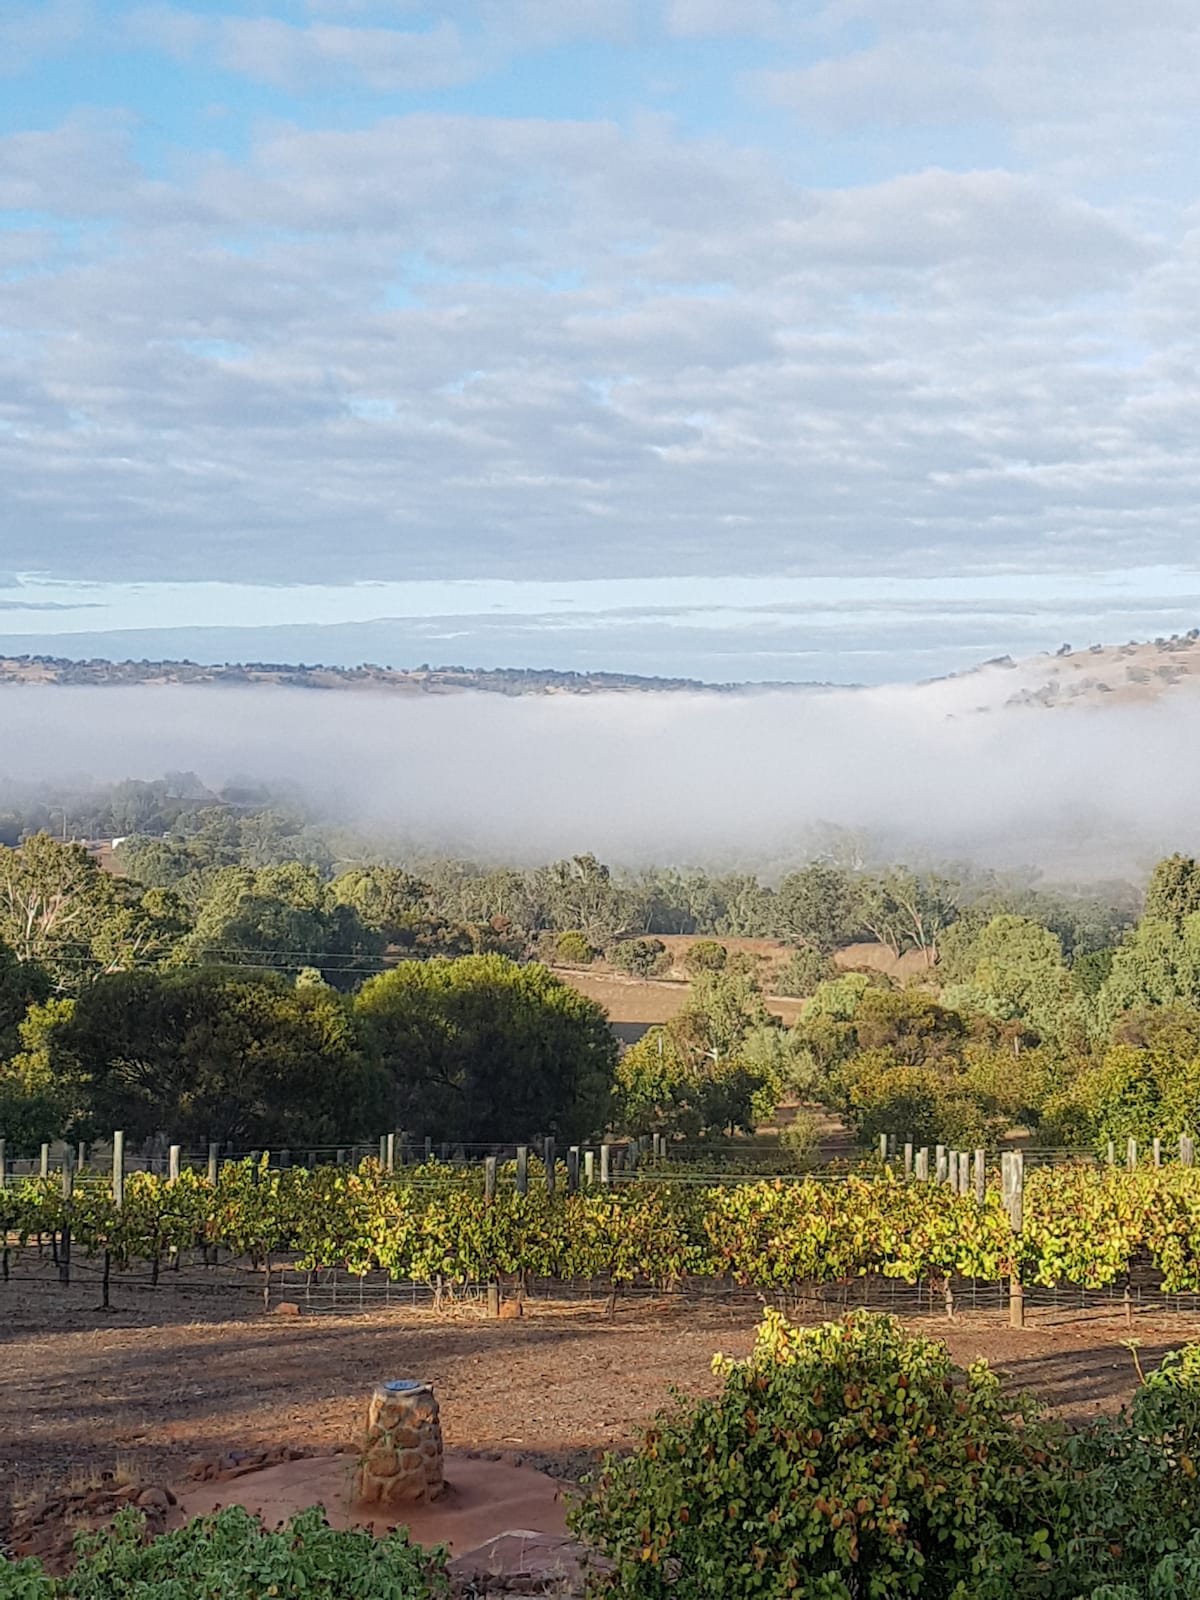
(843, 1461)
(230, 1556)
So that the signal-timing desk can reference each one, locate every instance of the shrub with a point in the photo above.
(706, 955)
(231, 1556)
(572, 949)
(799, 1141)
(842, 1461)
(640, 957)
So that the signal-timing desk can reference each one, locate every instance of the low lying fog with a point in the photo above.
(666, 777)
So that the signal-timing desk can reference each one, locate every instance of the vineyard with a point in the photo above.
(439, 1225)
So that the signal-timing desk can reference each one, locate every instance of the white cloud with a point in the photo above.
(31, 32)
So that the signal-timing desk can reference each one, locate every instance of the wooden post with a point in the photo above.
(908, 1159)
(891, 1147)
(428, 1149)
(118, 1169)
(605, 1166)
(573, 1169)
(389, 1152)
(1111, 1154)
(81, 1156)
(883, 1146)
(589, 1167)
(939, 1168)
(214, 1163)
(1187, 1150)
(548, 1165)
(44, 1170)
(3, 1163)
(522, 1169)
(64, 1243)
(1157, 1152)
(922, 1164)
(964, 1172)
(489, 1179)
(383, 1150)
(1131, 1155)
(1013, 1183)
(980, 1176)
(173, 1164)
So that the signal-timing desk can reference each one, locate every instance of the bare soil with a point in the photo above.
(175, 1374)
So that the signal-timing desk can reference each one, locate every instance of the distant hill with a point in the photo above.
(418, 680)
(1117, 674)
(1120, 674)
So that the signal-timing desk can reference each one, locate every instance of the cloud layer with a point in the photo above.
(368, 290)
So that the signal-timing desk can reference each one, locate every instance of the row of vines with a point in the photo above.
(1082, 1225)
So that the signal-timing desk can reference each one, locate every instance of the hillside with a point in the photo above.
(419, 680)
(1120, 674)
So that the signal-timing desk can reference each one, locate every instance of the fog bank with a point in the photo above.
(663, 777)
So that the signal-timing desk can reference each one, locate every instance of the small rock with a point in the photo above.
(153, 1500)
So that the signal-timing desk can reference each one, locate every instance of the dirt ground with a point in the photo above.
(171, 1375)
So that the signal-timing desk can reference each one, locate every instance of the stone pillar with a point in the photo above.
(401, 1457)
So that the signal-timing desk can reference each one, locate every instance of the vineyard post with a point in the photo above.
(214, 1163)
(548, 1165)
(64, 1244)
(980, 1176)
(428, 1149)
(522, 1169)
(389, 1152)
(3, 1164)
(1112, 1154)
(173, 1164)
(1157, 1149)
(922, 1164)
(1012, 1177)
(1131, 1155)
(589, 1168)
(81, 1156)
(891, 1146)
(908, 1159)
(605, 1166)
(490, 1165)
(939, 1167)
(285, 1159)
(383, 1150)
(964, 1172)
(45, 1166)
(118, 1169)
(1187, 1150)
(573, 1169)
(883, 1146)
(405, 1147)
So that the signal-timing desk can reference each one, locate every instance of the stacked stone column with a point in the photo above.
(401, 1458)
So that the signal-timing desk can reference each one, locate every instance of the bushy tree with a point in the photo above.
(804, 971)
(818, 906)
(641, 958)
(221, 1054)
(483, 1050)
(706, 955)
(283, 918)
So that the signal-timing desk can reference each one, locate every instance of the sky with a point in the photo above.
(723, 338)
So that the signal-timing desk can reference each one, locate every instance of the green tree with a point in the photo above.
(283, 918)
(1173, 893)
(641, 958)
(221, 1054)
(387, 899)
(804, 971)
(818, 906)
(485, 1051)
